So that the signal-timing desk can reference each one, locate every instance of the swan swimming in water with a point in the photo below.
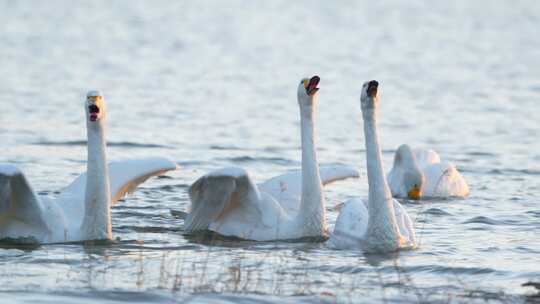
(289, 206)
(420, 173)
(82, 210)
(381, 224)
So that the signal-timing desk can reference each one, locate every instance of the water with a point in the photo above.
(213, 84)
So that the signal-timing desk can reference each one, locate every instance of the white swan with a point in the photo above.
(420, 173)
(82, 210)
(381, 224)
(289, 206)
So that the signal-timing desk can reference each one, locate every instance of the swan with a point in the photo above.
(289, 206)
(381, 224)
(82, 210)
(421, 173)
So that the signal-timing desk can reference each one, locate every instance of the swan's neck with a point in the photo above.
(97, 216)
(382, 227)
(312, 209)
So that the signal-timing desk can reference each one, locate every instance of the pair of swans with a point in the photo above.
(291, 206)
(82, 211)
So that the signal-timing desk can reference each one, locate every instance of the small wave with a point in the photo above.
(523, 249)
(149, 229)
(436, 211)
(480, 153)
(535, 213)
(482, 220)
(163, 248)
(125, 144)
(190, 163)
(126, 214)
(337, 269)
(514, 172)
(173, 188)
(489, 221)
(218, 147)
(95, 296)
(134, 207)
(249, 159)
(438, 269)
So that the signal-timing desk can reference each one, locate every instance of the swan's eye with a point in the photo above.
(94, 99)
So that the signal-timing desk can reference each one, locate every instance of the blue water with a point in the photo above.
(213, 84)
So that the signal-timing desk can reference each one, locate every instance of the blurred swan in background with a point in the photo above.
(420, 173)
(82, 210)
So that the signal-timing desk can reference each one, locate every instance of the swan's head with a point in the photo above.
(307, 90)
(413, 182)
(413, 177)
(95, 106)
(370, 94)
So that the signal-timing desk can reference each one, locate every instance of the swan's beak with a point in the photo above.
(415, 193)
(311, 85)
(372, 88)
(93, 109)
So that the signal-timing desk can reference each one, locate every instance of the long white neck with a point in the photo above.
(97, 216)
(383, 233)
(312, 205)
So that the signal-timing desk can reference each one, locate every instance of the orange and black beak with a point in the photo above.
(372, 88)
(415, 193)
(93, 108)
(311, 85)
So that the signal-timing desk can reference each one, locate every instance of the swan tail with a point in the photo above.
(210, 197)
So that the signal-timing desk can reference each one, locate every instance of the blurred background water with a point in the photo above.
(212, 84)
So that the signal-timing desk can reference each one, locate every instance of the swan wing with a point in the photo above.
(124, 177)
(217, 195)
(17, 198)
(288, 187)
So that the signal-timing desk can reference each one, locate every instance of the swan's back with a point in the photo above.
(351, 224)
(426, 157)
(442, 177)
(444, 180)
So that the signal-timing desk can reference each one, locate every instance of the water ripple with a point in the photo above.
(489, 221)
(123, 144)
(436, 211)
(249, 159)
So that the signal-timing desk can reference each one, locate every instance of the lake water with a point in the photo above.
(213, 84)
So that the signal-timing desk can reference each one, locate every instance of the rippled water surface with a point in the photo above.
(213, 84)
